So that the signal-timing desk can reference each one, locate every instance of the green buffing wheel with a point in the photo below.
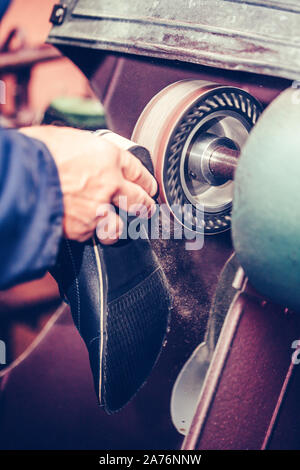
(266, 209)
(74, 111)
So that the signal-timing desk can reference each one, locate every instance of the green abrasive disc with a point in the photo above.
(266, 208)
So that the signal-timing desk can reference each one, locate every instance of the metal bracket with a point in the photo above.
(58, 14)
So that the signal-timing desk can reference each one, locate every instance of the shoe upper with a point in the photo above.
(120, 303)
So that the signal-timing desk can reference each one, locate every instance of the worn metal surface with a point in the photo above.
(256, 36)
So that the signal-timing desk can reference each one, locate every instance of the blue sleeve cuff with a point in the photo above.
(31, 209)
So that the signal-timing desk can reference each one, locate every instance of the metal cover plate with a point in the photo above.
(256, 36)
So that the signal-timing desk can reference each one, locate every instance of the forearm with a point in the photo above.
(31, 209)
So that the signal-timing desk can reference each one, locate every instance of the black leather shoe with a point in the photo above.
(120, 303)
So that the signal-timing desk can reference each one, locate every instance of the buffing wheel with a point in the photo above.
(266, 213)
(182, 126)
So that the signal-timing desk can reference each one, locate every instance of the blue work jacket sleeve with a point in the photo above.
(3, 7)
(31, 209)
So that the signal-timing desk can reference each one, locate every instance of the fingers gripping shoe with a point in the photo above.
(120, 303)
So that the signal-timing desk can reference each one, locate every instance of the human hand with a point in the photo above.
(94, 173)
